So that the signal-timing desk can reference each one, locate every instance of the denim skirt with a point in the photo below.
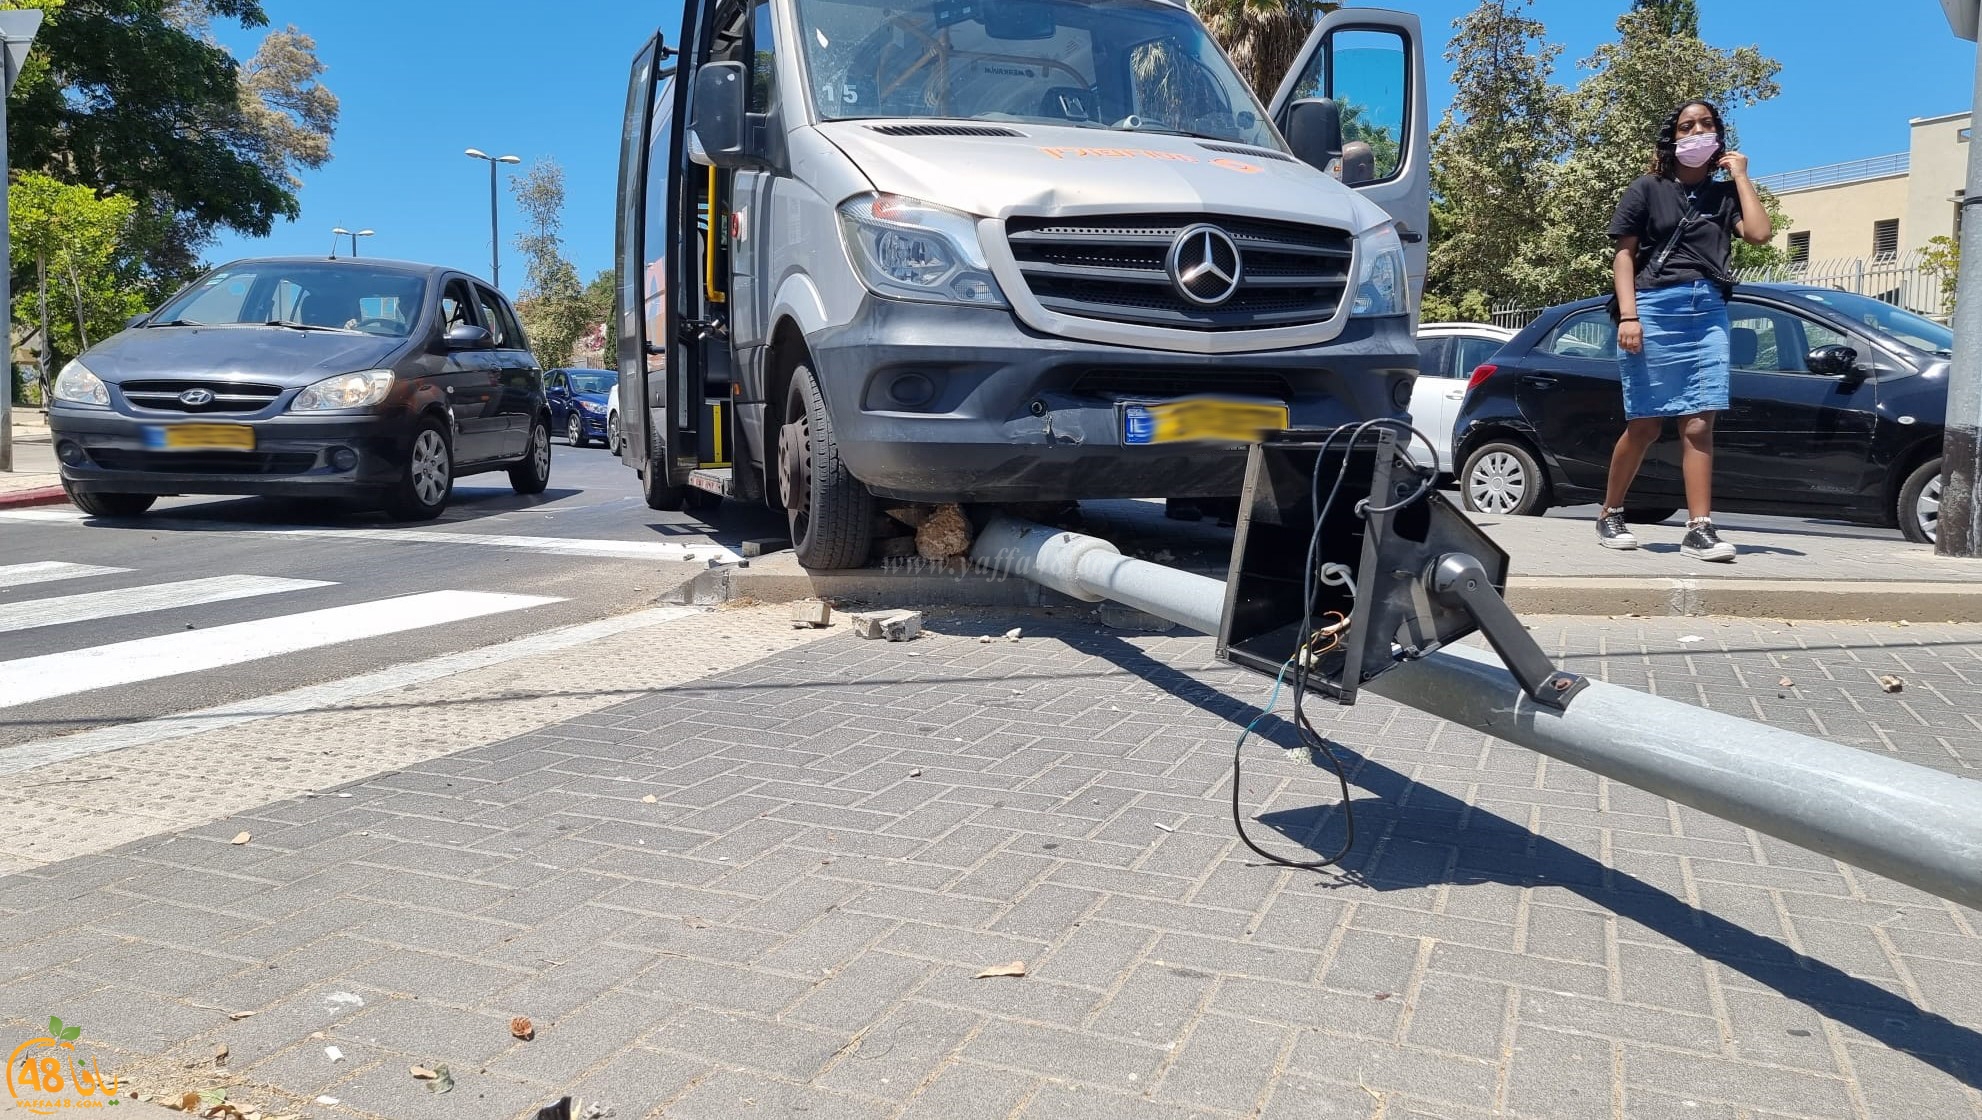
(1683, 368)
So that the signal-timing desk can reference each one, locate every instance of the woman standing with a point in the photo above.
(1675, 231)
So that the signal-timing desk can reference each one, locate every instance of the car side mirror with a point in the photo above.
(1314, 131)
(468, 336)
(716, 115)
(1835, 361)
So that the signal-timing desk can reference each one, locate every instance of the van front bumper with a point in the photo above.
(1013, 416)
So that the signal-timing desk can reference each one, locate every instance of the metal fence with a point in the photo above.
(1903, 280)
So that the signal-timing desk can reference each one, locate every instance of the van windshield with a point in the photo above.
(1138, 65)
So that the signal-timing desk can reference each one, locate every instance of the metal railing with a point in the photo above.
(1832, 174)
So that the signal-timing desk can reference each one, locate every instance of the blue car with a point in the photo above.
(578, 403)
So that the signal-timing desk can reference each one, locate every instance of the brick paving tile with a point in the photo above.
(795, 922)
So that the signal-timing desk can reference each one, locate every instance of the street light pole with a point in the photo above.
(495, 237)
(1959, 532)
(17, 30)
(355, 235)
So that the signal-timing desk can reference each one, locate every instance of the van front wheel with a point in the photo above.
(832, 512)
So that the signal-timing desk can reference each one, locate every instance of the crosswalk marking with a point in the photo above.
(554, 546)
(97, 605)
(29, 679)
(48, 571)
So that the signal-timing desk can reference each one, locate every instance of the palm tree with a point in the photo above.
(1262, 36)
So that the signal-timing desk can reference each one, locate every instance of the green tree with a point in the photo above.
(553, 306)
(1496, 154)
(1675, 17)
(76, 246)
(599, 308)
(1941, 259)
(134, 98)
(1262, 36)
(1613, 118)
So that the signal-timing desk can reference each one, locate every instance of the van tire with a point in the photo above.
(1919, 509)
(654, 480)
(109, 505)
(428, 481)
(831, 512)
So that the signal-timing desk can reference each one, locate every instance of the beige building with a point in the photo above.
(1882, 209)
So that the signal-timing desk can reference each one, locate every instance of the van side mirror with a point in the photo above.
(1314, 131)
(468, 336)
(1835, 361)
(716, 113)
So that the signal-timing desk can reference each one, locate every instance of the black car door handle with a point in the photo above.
(1538, 381)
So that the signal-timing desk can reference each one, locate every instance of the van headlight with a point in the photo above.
(77, 385)
(915, 250)
(1383, 280)
(346, 390)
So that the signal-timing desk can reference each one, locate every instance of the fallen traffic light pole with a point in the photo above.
(1406, 576)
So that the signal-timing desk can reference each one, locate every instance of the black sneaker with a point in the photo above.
(1612, 532)
(1702, 543)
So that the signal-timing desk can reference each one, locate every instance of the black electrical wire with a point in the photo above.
(1314, 577)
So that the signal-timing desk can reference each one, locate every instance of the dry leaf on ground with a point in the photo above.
(237, 1016)
(1016, 968)
(522, 1028)
(650, 799)
(1785, 683)
(422, 1073)
(220, 1054)
(1891, 683)
(242, 838)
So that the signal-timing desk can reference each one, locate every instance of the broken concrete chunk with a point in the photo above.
(893, 626)
(945, 534)
(764, 546)
(813, 613)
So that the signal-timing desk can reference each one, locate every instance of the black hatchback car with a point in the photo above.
(1835, 411)
(364, 379)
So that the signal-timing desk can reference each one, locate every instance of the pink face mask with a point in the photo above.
(1697, 150)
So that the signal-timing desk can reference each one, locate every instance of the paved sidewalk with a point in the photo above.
(35, 479)
(767, 893)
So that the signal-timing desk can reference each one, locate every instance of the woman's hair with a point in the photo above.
(1666, 163)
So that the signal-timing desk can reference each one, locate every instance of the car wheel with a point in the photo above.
(654, 480)
(1503, 478)
(109, 505)
(1649, 515)
(424, 489)
(534, 473)
(574, 431)
(612, 433)
(1920, 503)
(831, 512)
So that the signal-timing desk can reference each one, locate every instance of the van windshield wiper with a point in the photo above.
(295, 326)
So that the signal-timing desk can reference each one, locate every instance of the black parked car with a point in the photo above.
(1836, 411)
(306, 377)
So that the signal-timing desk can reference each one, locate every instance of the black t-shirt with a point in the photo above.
(1653, 205)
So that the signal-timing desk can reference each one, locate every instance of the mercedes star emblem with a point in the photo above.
(1205, 265)
(196, 398)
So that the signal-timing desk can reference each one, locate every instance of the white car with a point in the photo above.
(612, 420)
(1448, 353)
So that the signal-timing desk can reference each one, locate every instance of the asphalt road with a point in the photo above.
(285, 594)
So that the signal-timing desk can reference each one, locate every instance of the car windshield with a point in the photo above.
(1137, 65)
(600, 382)
(1915, 331)
(305, 294)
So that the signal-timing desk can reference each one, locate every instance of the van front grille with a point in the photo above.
(1115, 268)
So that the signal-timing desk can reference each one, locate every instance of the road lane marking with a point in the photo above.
(48, 571)
(553, 546)
(318, 697)
(95, 605)
(30, 679)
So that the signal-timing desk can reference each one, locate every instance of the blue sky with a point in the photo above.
(422, 82)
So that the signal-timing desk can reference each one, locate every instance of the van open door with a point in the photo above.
(657, 301)
(1370, 65)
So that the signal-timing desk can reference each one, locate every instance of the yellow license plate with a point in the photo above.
(202, 437)
(1201, 419)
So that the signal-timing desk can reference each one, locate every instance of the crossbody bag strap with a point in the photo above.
(1671, 243)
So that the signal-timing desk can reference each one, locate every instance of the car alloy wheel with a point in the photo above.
(1498, 483)
(574, 431)
(540, 449)
(1927, 508)
(431, 468)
